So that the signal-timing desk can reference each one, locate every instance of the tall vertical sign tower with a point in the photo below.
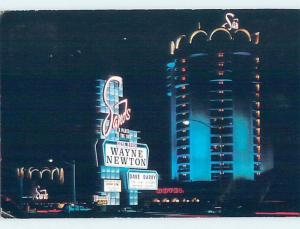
(120, 159)
(214, 85)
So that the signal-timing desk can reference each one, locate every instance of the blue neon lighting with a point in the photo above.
(200, 149)
(242, 156)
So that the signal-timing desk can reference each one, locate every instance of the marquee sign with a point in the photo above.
(112, 185)
(142, 180)
(125, 154)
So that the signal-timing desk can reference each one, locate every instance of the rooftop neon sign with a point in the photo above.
(231, 22)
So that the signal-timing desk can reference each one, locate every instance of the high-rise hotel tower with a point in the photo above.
(214, 85)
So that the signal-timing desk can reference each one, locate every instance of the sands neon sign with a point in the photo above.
(114, 120)
(231, 22)
(40, 194)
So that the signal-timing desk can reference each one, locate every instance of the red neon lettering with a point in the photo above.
(169, 191)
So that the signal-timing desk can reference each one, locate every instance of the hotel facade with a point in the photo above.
(214, 86)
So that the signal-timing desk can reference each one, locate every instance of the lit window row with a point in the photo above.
(257, 114)
(221, 64)
(258, 122)
(258, 140)
(220, 54)
(258, 149)
(257, 105)
(257, 131)
(257, 86)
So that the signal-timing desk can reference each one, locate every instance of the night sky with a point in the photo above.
(50, 61)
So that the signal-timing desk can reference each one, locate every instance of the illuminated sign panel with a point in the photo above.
(125, 154)
(100, 200)
(112, 185)
(142, 180)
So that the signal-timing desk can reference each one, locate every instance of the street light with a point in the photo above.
(50, 160)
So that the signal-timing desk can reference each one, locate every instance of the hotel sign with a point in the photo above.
(40, 194)
(114, 120)
(112, 185)
(125, 154)
(142, 180)
(231, 22)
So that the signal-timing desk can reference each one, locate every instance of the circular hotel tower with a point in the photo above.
(214, 86)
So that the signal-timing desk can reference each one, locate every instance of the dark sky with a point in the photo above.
(50, 61)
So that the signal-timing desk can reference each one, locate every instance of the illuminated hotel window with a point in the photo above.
(258, 149)
(257, 104)
(258, 131)
(258, 122)
(220, 73)
(221, 64)
(220, 54)
(183, 78)
(257, 60)
(258, 114)
(183, 69)
(257, 87)
(221, 82)
(183, 105)
(183, 61)
(258, 140)
(257, 94)
(183, 98)
(183, 87)
(257, 76)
